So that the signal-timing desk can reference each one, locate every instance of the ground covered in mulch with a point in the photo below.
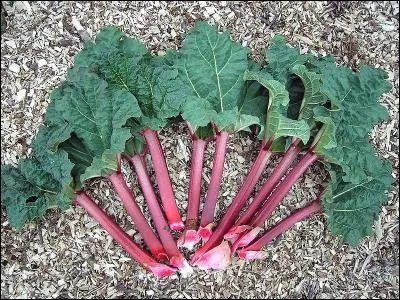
(67, 255)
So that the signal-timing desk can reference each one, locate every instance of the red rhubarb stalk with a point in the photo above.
(163, 180)
(253, 251)
(234, 208)
(190, 237)
(273, 201)
(175, 257)
(265, 190)
(207, 216)
(123, 239)
(133, 209)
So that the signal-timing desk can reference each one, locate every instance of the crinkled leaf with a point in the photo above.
(282, 58)
(39, 183)
(277, 123)
(355, 110)
(211, 68)
(97, 113)
(104, 55)
(125, 63)
(27, 191)
(352, 208)
(357, 94)
(312, 96)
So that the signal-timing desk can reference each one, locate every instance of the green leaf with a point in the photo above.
(104, 54)
(198, 112)
(352, 207)
(312, 96)
(96, 113)
(159, 92)
(355, 109)
(357, 94)
(27, 192)
(211, 68)
(282, 58)
(37, 184)
(277, 124)
(126, 63)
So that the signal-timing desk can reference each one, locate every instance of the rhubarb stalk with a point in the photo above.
(190, 237)
(175, 257)
(279, 171)
(273, 201)
(163, 180)
(207, 217)
(122, 238)
(234, 208)
(253, 251)
(133, 209)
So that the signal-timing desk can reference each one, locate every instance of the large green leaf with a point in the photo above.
(355, 109)
(277, 123)
(211, 68)
(351, 208)
(39, 183)
(355, 93)
(96, 112)
(124, 62)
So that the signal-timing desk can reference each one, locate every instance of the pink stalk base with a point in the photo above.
(246, 239)
(205, 232)
(188, 239)
(235, 232)
(175, 257)
(121, 237)
(163, 179)
(238, 202)
(217, 258)
(254, 250)
(207, 217)
(190, 236)
(133, 209)
(252, 255)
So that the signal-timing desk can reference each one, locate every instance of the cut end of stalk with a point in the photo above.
(188, 239)
(177, 226)
(235, 232)
(217, 258)
(245, 239)
(181, 263)
(161, 270)
(205, 232)
(162, 257)
(252, 255)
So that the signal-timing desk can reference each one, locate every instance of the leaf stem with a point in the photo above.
(163, 179)
(137, 253)
(137, 216)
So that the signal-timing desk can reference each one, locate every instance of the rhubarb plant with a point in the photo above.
(96, 113)
(53, 179)
(352, 156)
(211, 68)
(118, 96)
(126, 63)
(277, 126)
